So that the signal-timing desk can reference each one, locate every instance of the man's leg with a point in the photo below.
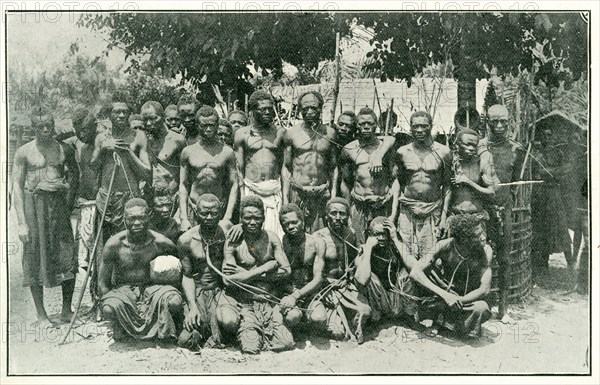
(68, 287)
(477, 313)
(37, 292)
(504, 247)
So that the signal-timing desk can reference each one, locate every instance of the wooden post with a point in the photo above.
(354, 100)
(246, 104)
(376, 95)
(388, 122)
(336, 87)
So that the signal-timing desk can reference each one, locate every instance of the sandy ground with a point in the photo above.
(550, 335)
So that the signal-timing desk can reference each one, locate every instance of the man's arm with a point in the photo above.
(363, 262)
(183, 192)
(318, 268)
(188, 285)
(446, 187)
(138, 152)
(238, 146)
(418, 272)
(284, 269)
(105, 267)
(239, 274)
(72, 176)
(19, 171)
(99, 150)
(485, 283)
(233, 192)
(347, 176)
(286, 170)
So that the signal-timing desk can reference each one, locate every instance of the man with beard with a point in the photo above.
(46, 179)
(125, 149)
(164, 149)
(136, 306)
(186, 108)
(259, 153)
(172, 119)
(207, 167)
(458, 272)
(306, 253)
(346, 310)
(368, 174)
(201, 252)
(255, 267)
(383, 270)
(424, 172)
(310, 160)
(508, 158)
(474, 178)
(161, 218)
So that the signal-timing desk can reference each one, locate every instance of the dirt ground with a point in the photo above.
(550, 335)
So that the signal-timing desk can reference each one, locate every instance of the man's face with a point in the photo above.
(337, 216)
(420, 128)
(186, 114)
(265, 112)
(153, 122)
(208, 126)
(382, 235)
(43, 126)
(345, 126)
(252, 219)
(225, 135)
(291, 224)
(137, 124)
(478, 239)
(467, 146)
(207, 214)
(172, 119)
(162, 207)
(310, 108)
(237, 121)
(86, 134)
(498, 120)
(366, 126)
(119, 115)
(136, 220)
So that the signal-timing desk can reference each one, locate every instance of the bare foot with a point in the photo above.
(432, 331)
(506, 319)
(66, 315)
(43, 323)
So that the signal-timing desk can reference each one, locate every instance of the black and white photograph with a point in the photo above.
(240, 189)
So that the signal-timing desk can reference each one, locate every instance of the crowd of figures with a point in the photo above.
(213, 231)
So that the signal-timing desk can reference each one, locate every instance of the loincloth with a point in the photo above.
(269, 192)
(417, 222)
(312, 203)
(364, 208)
(391, 302)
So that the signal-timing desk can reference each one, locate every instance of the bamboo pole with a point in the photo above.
(388, 122)
(338, 71)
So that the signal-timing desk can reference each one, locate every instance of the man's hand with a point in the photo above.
(225, 224)
(389, 226)
(453, 301)
(235, 233)
(192, 319)
(461, 179)
(441, 230)
(288, 302)
(23, 231)
(185, 225)
(230, 269)
(371, 242)
(376, 164)
(111, 144)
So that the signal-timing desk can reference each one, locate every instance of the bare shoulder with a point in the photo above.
(444, 245)
(443, 150)
(186, 238)
(315, 241)
(176, 137)
(162, 243)
(330, 131)
(489, 253)
(273, 238)
(113, 243)
(241, 134)
(24, 150)
(403, 150)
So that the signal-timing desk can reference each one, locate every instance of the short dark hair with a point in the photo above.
(466, 131)
(291, 208)
(158, 108)
(224, 122)
(376, 221)
(134, 117)
(79, 116)
(39, 111)
(421, 114)
(256, 97)
(171, 107)
(252, 201)
(340, 200)
(136, 202)
(350, 114)
(462, 226)
(315, 94)
(187, 99)
(206, 112)
(208, 198)
(239, 112)
(367, 111)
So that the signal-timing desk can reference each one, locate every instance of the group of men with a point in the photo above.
(219, 231)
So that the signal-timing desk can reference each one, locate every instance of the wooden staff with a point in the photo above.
(376, 95)
(388, 122)
(336, 87)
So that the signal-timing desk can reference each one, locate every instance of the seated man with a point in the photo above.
(163, 209)
(384, 271)
(135, 305)
(201, 252)
(253, 268)
(458, 271)
(341, 297)
(305, 252)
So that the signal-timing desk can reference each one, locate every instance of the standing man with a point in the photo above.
(424, 172)
(207, 167)
(310, 160)
(259, 153)
(346, 308)
(172, 119)
(136, 305)
(508, 158)
(46, 179)
(258, 259)
(187, 105)
(345, 128)
(225, 132)
(367, 185)
(238, 119)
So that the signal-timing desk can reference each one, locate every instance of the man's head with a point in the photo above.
(153, 116)
(136, 217)
(467, 230)
(497, 120)
(208, 122)
(85, 125)
(377, 230)
(311, 106)
(262, 106)
(367, 123)
(346, 125)
(467, 141)
(292, 219)
(238, 119)
(162, 203)
(119, 113)
(172, 119)
(136, 122)
(225, 132)
(420, 126)
(252, 214)
(42, 122)
(208, 211)
(186, 107)
(338, 211)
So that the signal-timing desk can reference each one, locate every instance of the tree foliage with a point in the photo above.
(219, 47)
(478, 43)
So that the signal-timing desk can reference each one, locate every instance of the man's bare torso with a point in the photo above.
(312, 154)
(365, 182)
(208, 169)
(164, 156)
(263, 152)
(421, 171)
